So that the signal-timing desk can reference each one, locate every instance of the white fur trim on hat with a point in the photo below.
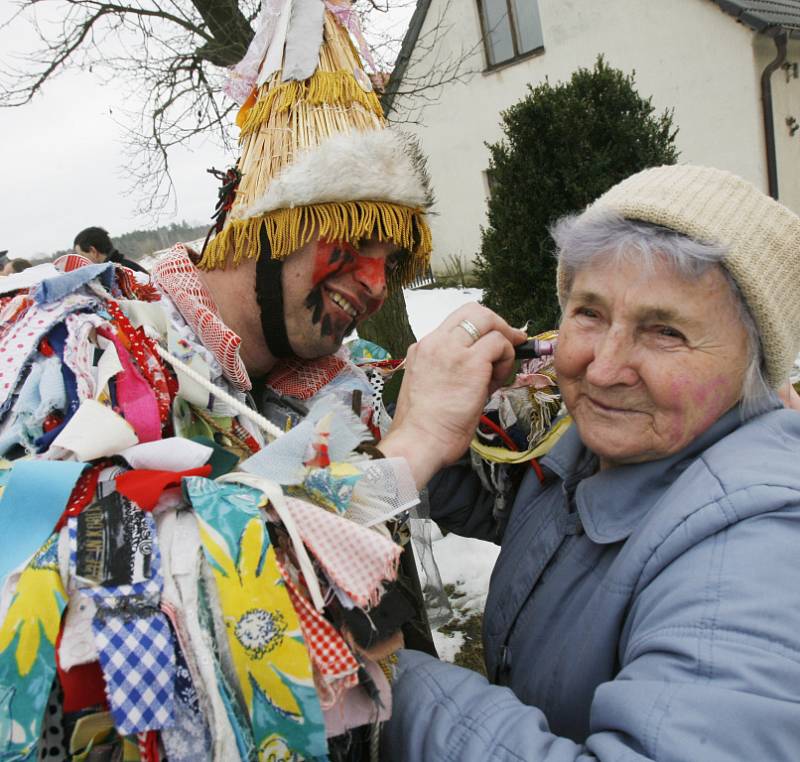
(379, 165)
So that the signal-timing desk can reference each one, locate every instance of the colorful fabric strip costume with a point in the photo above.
(180, 578)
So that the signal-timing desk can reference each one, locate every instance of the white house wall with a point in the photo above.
(688, 54)
(785, 104)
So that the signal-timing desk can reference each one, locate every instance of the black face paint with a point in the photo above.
(314, 303)
(332, 258)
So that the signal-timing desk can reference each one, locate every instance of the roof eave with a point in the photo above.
(404, 57)
(757, 24)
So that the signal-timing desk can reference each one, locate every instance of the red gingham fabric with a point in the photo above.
(328, 650)
(178, 278)
(358, 560)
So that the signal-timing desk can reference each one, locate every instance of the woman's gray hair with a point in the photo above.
(602, 234)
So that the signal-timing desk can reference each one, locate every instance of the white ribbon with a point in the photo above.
(348, 18)
(242, 77)
(303, 40)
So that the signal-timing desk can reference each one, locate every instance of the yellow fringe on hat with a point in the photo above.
(338, 88)
(352, 221)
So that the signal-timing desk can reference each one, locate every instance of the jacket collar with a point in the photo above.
(612, 503)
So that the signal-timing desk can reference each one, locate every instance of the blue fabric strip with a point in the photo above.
(34, 498)
(53, 289)
(58, 339)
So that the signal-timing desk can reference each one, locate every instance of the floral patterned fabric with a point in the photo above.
(260, 620)
(27, 653)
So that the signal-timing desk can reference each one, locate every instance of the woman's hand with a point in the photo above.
(448, 377)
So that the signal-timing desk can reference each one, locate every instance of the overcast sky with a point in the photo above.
(62, 159)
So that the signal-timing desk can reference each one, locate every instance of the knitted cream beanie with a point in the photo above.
(318, 158)
(762, 238)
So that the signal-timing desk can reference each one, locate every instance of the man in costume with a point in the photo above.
(181, 578)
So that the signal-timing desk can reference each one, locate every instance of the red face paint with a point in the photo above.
(361, 280)
(340, 258)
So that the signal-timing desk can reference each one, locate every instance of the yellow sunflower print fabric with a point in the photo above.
(263, 631)
(27, 653)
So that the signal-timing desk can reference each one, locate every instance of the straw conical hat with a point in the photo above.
(318, 160)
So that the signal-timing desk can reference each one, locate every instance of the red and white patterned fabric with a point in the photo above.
(330, 653)
(302, 379)
(178, 278)
(356, 559)
(20, 338)
(69, 262)
(79, 350)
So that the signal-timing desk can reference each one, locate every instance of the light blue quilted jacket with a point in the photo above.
(647, 612)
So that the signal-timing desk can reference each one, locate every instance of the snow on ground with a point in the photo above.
(464, 563)
(448, 645)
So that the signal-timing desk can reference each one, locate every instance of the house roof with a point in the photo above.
(760, 15)
(765, 15)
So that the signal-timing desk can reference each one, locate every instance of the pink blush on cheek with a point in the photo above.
(678, 389)
(720, 399)
(698, 405)
(686, 399)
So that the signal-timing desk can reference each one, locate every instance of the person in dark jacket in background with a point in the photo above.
(13, 266)
(95, 244)
(646, 601)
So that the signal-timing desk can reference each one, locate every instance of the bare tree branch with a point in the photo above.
(169, 58)
(436, 65)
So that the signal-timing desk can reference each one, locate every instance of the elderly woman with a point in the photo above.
(646, 601)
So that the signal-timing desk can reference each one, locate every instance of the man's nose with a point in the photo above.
(371, 274)
(612, 362)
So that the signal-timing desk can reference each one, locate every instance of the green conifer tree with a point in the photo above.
(564, 146)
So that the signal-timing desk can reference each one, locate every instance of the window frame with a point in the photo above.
(512, 20)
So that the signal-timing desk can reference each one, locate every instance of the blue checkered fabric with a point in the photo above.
(135, 646)
(137, 655)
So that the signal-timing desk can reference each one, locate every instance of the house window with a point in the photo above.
(511, 29)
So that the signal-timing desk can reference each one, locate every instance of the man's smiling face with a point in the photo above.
(329, 287)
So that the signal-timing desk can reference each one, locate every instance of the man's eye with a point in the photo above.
(393, 261)
(586, 312)
(669, 332)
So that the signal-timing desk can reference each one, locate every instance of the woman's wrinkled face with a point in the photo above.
(647, 360)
